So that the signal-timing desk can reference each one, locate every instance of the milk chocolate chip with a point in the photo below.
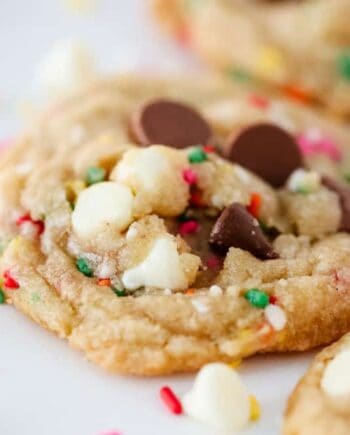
(169, 123)
(267, 150)
(236, 227)
(343, 193)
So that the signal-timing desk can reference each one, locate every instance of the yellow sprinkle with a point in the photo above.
(235, 364)
(74, 187)
(270, 62)
(255, 409)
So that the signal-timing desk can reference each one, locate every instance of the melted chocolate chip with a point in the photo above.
(169, 123)
(267, 150)
(235, 227)
(343, 193)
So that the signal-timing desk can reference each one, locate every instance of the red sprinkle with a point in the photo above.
(297, 93)
(189, 176)
(196, 199)
(255, 203)
(273, 300)
(27, 218)
(209, 149)
(188, 227)
(213, 262)
(259, 101)
(170, 400)
(9, 281)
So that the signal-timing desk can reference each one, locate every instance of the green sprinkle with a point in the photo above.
(2, 297)
(302, 190)
(119, 293)
(83, 267)
(95, 175)
(257, 297)
(35, 297)
(197, 155)
(347, 177)
(344, 65)
(238, 75)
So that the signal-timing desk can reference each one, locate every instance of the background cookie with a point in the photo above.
(320, 403)
(272, 42)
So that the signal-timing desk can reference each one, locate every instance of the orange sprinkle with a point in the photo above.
(297, 93)
(255, 203)
(189, 292)
(104, 282)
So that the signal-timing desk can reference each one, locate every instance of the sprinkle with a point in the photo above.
(255, 409)
(2, 297)
(344, 65)
(270, 62)
(27, 224)
(266, 332)
(83, 267)
(9, 281)
(276, 316)
(213, 262)
(189, 292)
(183, 35)
(119, 293)
(189, 176)
(313, 142)
(95, 175)
(104, 282)
(188, 227)
(170, 400)
(238, 75)
(196, 199)
(254, 205)
(256, 297)
(273, 299)
(297, 93)
(197, 155)
(215, 290)
(259, 101)
(235, 364)
(210, 149)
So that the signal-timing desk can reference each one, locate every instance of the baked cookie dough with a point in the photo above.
(137, 225)
(302, 47)
(320, 404)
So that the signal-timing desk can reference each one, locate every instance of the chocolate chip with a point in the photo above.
(267, 150)
(236, 227)
(169, 123)
(343, 193)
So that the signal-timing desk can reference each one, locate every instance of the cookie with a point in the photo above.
(270, 42)
(128, 250)
(321, 401)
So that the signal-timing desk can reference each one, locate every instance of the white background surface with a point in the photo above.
(45, 387)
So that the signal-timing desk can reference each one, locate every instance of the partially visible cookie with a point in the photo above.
(161, 257)
(320, 404)
(271, 41)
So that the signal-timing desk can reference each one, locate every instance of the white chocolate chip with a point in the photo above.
(304, 181)
(132, 232)
(336, 376)
(107, 268)
(67, 66)
(162, 268)
(218, 398)
(155, 176)
(103, 207)
(276, 316)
